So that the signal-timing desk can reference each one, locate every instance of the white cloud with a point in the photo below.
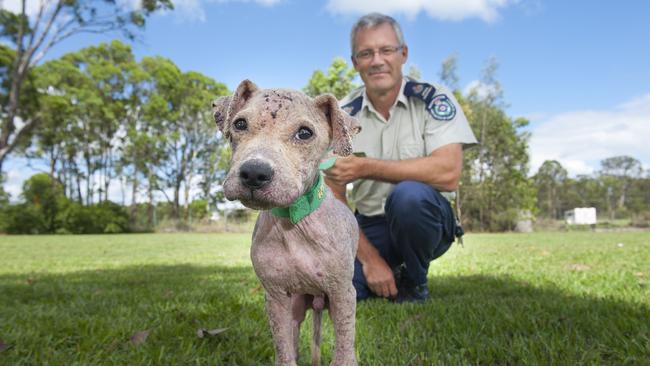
(487, 10)
(15, 6)
(480, 89)
(579, 140)
(194, 10)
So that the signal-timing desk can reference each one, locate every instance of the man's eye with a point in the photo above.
(364, 54)
(240, 125)
(304, 133)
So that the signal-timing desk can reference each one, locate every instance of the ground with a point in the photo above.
(541, 298)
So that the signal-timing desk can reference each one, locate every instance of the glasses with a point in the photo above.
(386, 51)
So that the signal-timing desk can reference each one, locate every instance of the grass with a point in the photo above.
(503, 299)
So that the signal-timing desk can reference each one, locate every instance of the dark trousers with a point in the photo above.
(418, 227)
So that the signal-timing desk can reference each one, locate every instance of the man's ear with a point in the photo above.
(220, 111)
(343, 125)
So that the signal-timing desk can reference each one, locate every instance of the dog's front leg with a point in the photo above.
(278, 308)
(342, 307)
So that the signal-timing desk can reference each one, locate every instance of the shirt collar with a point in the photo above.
(401, 99)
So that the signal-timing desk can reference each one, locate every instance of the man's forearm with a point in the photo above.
(442, 171)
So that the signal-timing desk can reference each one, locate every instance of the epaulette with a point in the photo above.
(439, 106)
(354, 106)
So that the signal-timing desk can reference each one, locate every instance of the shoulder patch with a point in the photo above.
(442, 108)
(439, 106)
(354, 106)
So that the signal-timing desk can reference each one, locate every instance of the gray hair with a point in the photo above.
(373, 20)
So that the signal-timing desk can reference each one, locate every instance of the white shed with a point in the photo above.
(581, 216)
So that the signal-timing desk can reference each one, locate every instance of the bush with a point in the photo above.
(104, 217)
(23, 219)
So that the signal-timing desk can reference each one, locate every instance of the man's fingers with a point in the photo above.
(392, 289)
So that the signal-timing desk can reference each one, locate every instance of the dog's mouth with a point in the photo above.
(264, 198)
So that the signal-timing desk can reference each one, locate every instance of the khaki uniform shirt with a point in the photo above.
(423, 118)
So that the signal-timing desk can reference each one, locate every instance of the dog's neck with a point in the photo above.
(305, 204)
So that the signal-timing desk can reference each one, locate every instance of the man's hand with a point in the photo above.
(378, 273)
(380, 278)
(345, 170)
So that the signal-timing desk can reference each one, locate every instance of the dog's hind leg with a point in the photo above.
(318, 304)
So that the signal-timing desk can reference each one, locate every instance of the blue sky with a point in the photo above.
(577, 69)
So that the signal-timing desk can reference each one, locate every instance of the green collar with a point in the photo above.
(305, 204)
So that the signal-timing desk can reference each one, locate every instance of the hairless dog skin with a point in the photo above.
(278, 138)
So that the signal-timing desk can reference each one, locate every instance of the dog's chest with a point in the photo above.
(292, 260)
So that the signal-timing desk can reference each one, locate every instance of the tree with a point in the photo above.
(618, 174)
(184, 128)
(549, 181)
(33, 36)
(495, 185)
(338, 81)
(45, 195)
(448, 74)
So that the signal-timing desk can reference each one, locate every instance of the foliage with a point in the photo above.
(104, 217)
(23, 219)
(338, 81)
(45, 196)
(31, 37)
(618, 190)
(495, 188)
(549, 181)
(198, 209)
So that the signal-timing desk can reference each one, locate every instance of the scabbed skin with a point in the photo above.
(309, 264)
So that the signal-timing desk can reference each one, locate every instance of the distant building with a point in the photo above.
(581, 216)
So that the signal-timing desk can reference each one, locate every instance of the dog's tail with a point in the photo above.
(318, 305)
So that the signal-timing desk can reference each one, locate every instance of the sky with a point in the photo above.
(578, 70)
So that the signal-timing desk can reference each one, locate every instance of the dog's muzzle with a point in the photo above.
(255, 174)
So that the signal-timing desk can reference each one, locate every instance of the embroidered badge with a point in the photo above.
(441, 108)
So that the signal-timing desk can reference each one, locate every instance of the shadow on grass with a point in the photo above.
(89, 318)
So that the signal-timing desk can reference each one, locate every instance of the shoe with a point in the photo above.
(407, 291)
(413, 293)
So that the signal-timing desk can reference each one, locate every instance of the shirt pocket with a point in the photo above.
(409, 151)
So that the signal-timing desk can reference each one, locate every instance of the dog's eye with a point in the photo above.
(240, 125)
(304, 133)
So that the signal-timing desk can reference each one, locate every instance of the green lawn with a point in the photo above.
(503, 299)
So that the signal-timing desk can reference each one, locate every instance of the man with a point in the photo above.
(408, 151)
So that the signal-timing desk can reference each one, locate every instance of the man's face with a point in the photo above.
(380, 73)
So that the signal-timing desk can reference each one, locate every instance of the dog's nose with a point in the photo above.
(255, 174)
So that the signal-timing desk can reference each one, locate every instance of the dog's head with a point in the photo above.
(278, 139)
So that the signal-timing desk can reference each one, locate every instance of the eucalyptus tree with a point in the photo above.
(178, 114)
(618, 174)
(32, 36)
(550, 181)
(495, 184)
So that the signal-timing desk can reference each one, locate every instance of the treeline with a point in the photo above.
(108, 125)
(620, 189)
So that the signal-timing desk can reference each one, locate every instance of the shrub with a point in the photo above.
(104, 217)
(23, 219)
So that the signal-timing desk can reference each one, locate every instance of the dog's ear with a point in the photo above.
(241, 96)
(225, 108)
(343, 125)
(220, 111)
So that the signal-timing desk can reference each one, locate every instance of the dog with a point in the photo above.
(305, 240)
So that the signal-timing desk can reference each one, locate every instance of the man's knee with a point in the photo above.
(409, 198)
